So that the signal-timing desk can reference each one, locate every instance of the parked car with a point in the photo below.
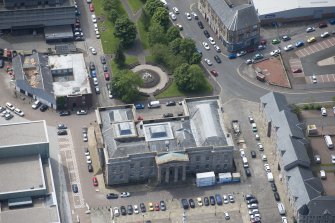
(61, 126)
(199, 201)
(162, 206)
(201, 26)
(232, 56)
(151, 207)
(74, 188)
(275, 41)
(276, 195)
(10, 106)
(170, 103)
(103, 59)
(129, 209)
(64, 113)
(206, 46)
(323, 111)
(212, 200)
(317, 159)
(211, 40)
(214, 73)
(82, 112)
(18, 112)
(188, 16)
(311, 39)
(286, 38)
(253, 154)
(184, 204)
(125, 194)
(322, 25)
(43, 108)
(206, 201)
(288, 47)
(157, 208)
(217, 48)
(135, 207)
(218, 199)
(175, 9)
(273, 187)
(95, 181)
(90, 168)
(123, 210)
(62, 132)
(208, 62)
(142, 207)
(206, 33)
(172, 16)
(139, 106)
(36, 104)
(310, 29)
(324, 35)
(217, 59)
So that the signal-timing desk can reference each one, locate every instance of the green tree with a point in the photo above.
(125, 30)
(196, 58)
(152, 5)
(125, 85)
(120, 58)
(159, 52)
(113, 15)
(187, 48)
(111, 4)
(156, 34)
(172, 33)
(189, 77)
(161, 17)
(174, 46)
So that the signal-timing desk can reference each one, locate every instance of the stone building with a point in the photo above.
(164, 150)
(236, 23)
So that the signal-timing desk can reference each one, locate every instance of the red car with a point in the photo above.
(95, 181)
(91, 6)
(107, 77)
(263, 42)
(214, 73)
(156, 207)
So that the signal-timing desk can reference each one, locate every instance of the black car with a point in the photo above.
(212, 200)
(90, 168)
(322, 25)
(206, 33)
(253, 154)
(184, 203)
(192, 204)
(274, 187)
(201, 26)
(206, 201)
(103, 59)
(167, 115)
(74, 188)
(142, 207)
(79, 38)
(217, 59)
(92, 66)
(2, 63)
(43, 108)
(276, 195)
(170, 103)
(218, 199)
(162, 205)
(123, 210)
(111, 195)
(247, 172)
(130, 209)
(252, 201)
(64, 113)
(62, 132)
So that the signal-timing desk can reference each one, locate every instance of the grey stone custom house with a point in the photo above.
(164, 150)
(235, 23)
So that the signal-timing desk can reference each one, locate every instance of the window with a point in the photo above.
(187, 168)
(218, 166)
(197, 167)
(207, 166)
(132, 166)
(207, 158)
(141, 164)
(197, 158)
(121, 177)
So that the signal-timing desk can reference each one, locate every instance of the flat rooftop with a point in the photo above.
(70, 76)
(8, 5)
(204, 127)
(23, 133)
(20, 174)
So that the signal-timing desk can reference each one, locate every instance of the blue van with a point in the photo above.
(218, 199)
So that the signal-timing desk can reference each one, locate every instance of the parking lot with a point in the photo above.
(316, 47)
(325, 125)
(157, 113)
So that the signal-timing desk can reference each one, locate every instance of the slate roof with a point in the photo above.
(319, 206)
(236, 17)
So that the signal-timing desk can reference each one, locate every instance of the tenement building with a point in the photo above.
(164, 150)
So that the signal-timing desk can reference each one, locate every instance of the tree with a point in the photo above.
(187, 48)
(189, 77)
(156, 34)
(161, 17)
(172, 33)
(119, 56)
(159, 52)
(196, 58)
(174, 46)
(152, 5)
(111, 4)
(125, 85)
(125, 30)
(113, 15)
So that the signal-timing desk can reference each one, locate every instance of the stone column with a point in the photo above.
(167, 174)
(184, 173)
(176, 174)
(159, 174)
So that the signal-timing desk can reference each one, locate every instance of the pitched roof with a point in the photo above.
(171, 157)
(319, 206)
(235, 17)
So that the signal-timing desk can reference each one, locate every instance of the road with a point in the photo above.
(232, 83)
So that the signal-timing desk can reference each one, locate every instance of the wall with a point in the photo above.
(26, 150)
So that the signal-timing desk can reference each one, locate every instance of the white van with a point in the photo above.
(154, 104)
(329, 142)
(281, 208)
(245, 162)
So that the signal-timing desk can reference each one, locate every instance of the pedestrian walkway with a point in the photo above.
(316, 47)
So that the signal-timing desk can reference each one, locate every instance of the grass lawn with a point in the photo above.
(143, 34)
(173, 91)
(135, 5)
(149, 58)
(108, 40)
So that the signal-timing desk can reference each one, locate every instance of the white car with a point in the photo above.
(226, 216)
(264, 158)
(260, 146)
(87, 152)
(208, 61)
(314, 79)
(249, 61)
(310, 29)
(325, 34)
(217, 48)
(242, 153)
(173, 16)
(97, 34)
(284, 219)
(125, 194)
(18, 112)
(253, 211)
(188, 16)
(36, 104)
(199, 201)
(95, 81)
(211, 40)
(85, 139)
(225, 199)
(288, 47)
(257, 136)
(175, 9)
(194, 15)
(116, 212)
(334, 110)
(275, 52)
(10, 106)
(94, 18)
(82, 112)
(88, 160)
(333, 158)
(136, 211)
(110, 95)
(267, 167)
(323, 111)
(179, 26)
(93, 51)
(252, 206)
(95, 27)
(205, 45)
(241, 53)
